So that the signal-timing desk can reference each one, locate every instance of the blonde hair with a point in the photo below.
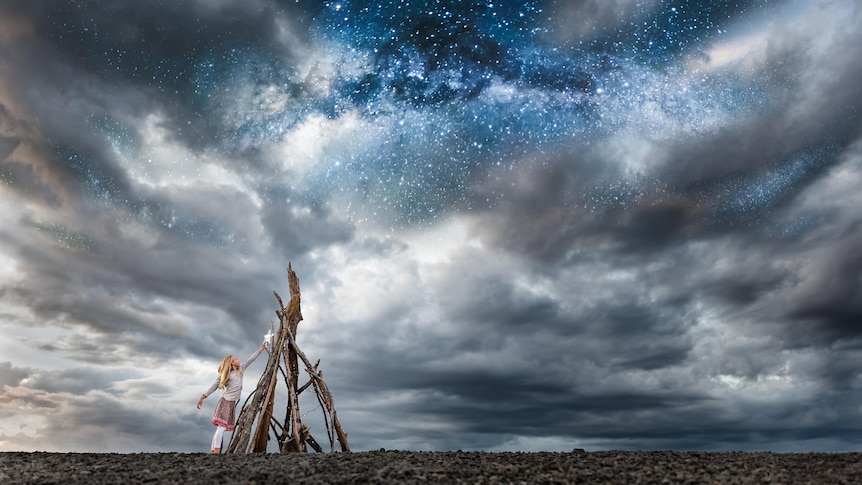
(224, 370)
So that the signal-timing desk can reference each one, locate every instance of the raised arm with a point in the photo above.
(254, 355)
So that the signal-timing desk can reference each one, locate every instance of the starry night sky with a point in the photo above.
(534, 225)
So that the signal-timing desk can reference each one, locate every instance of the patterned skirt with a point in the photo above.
(225, 414)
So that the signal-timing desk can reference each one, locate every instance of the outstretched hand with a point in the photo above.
(200, 402)
(265, 344)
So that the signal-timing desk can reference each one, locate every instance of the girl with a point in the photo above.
(229, 379)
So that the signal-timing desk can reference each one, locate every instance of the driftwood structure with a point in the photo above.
(256, 422)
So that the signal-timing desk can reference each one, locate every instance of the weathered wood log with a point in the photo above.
(290, 318)
(294, 441)
(305, 435)
(322, 389)
(261, 435)
(305, 386)
(342, 436)
(313, 443)
(263, 397)
(330, 406)
(292, 435)
(320, 401)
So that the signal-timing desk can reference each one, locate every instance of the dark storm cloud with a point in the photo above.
(722, 179)
(96, 72)
(88, 68)
(176, 53)
(6, 144)
(10, 375)
(74, 381)
(499, 367)
(652, 30)
(98, 421)
(831, 310)
(125, 284)
(306, 225)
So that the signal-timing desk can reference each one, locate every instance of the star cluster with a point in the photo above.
(441, 94)
(447, 93)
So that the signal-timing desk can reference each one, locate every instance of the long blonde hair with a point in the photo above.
(224, 370)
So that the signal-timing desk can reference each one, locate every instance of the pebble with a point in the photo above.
(410, 467)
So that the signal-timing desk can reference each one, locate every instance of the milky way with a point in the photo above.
(455, 90)
(443, 93)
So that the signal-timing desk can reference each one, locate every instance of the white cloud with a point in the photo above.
(164, 161)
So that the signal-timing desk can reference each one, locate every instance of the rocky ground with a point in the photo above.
(618, 467)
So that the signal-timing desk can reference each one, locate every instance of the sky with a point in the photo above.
(517, 226)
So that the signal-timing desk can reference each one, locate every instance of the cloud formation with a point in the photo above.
(531, 225)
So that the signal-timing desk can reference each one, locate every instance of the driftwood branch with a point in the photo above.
(256, 420)
(322, 390)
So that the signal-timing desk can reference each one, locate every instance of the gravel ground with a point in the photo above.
(436, 467)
